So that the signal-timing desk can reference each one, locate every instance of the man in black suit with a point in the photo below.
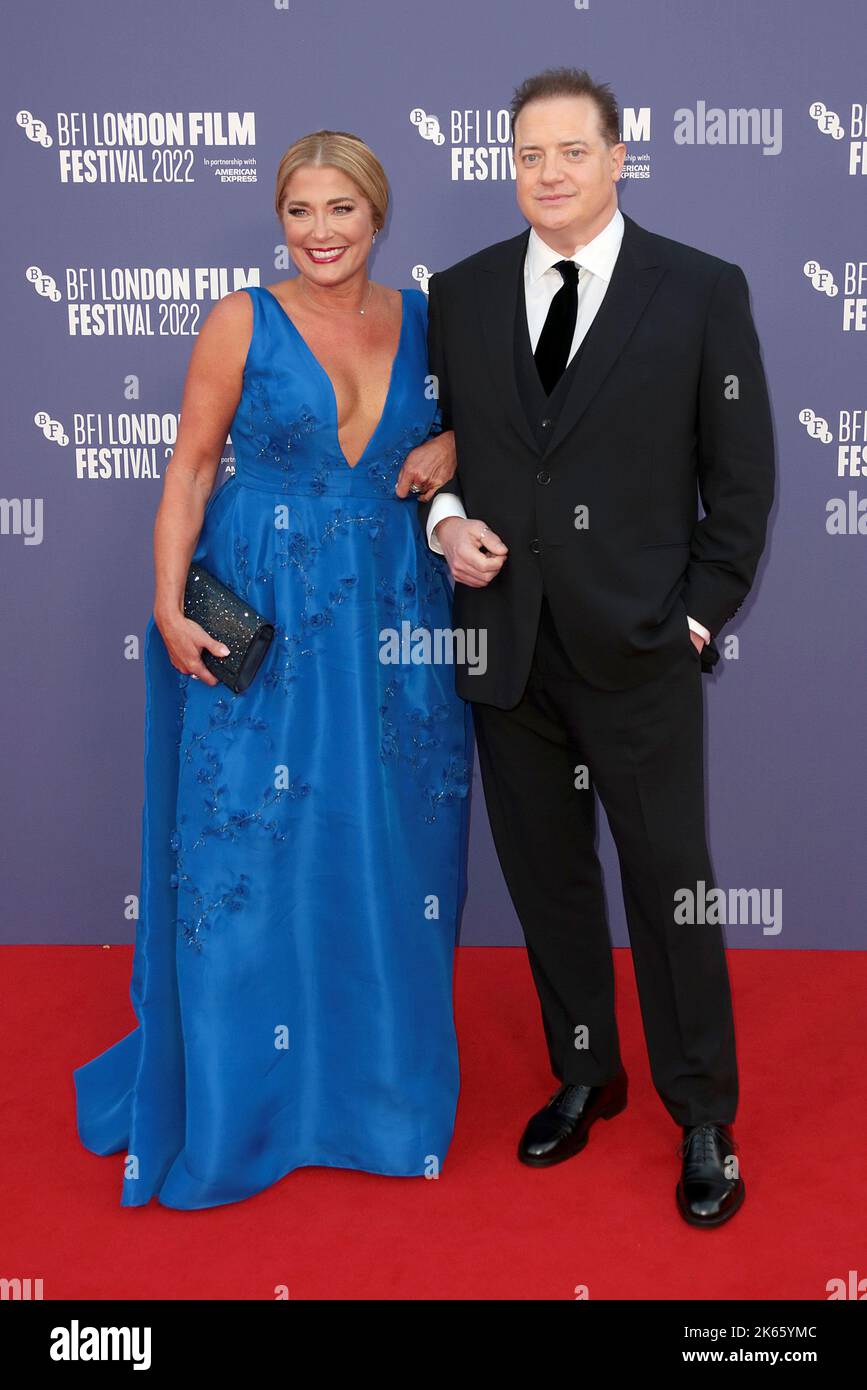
(599, 379)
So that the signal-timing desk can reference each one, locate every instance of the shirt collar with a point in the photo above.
(597, 256)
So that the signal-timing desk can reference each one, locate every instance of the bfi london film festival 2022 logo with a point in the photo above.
(846, 283)
(136, 301)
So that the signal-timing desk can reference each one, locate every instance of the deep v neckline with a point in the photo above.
(315, 360)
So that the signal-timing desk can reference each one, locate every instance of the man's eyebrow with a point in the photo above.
(521, 148)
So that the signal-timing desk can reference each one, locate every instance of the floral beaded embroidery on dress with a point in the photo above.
(304, 843)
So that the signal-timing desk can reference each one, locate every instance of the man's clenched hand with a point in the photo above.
(464, 544)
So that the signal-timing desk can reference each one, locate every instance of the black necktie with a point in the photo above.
(555, 340)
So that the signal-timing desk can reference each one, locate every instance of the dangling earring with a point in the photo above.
(373, 238)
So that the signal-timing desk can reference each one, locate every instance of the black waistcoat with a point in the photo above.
(541, 410)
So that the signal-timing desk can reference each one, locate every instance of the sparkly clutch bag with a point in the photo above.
(228, 618)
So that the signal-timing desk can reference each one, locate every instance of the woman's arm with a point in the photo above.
(428, 465)
(211, 394)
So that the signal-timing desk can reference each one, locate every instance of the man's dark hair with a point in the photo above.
(570, 82)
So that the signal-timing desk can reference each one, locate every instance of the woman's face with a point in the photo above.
(328, 224)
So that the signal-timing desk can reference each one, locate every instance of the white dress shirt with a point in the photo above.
(541, 282)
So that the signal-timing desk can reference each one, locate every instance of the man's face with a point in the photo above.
(565, 172)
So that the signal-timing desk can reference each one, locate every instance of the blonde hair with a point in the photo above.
(340, 150)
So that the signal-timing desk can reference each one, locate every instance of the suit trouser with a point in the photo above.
(644, 752)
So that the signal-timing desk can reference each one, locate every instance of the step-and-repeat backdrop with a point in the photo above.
(141, 144)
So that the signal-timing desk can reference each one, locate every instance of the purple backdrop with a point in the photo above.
(744, 124)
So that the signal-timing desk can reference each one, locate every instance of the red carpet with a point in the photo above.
(488, 1228)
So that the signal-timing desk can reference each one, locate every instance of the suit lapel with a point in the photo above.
(499, 282)
(636, 274)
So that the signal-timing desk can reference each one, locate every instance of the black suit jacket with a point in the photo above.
(669, 403)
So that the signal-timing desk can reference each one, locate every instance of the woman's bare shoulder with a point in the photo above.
(228, 327)
(235, 309)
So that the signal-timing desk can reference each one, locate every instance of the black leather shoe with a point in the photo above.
(562, 1128)
(705, 1195)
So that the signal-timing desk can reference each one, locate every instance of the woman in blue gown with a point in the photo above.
(303, 843)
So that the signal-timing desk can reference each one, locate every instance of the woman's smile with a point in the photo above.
(324, 255)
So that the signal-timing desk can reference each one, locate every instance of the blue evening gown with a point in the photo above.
(303, 843)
